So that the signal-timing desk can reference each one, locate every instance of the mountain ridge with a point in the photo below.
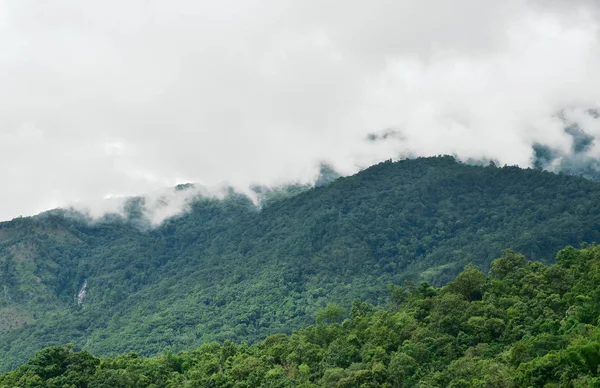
(226, 270)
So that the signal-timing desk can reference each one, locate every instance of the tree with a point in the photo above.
(333, 312)
(469, 283)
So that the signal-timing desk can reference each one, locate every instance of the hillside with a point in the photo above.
(226, 270)
(523, 325)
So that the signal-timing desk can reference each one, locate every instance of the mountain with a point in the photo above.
(227, 269)
(523, 325)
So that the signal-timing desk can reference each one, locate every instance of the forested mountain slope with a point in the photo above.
(523, 325)
(227, 270)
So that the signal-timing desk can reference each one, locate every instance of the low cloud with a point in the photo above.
(152, 208)
(123, 98)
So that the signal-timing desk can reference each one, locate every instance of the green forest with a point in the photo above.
(525, 324)
(230, 272)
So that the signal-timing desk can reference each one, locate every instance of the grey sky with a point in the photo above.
(124, 97)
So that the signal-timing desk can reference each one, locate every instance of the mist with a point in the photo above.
(113, 99)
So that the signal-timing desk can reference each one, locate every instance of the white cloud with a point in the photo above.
(132, 96)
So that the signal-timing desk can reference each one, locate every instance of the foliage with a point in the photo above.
(227, 270)
(530, 325)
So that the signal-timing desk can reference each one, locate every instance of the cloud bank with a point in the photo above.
(101, 99)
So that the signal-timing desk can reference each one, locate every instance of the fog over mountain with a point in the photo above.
(113, 98)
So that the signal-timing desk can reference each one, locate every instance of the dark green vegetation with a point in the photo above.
(524, 325)
(227, 271)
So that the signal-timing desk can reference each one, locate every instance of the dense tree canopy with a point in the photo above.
(227, 270)
(524, 325)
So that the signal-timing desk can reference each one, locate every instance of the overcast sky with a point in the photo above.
(108, 98)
